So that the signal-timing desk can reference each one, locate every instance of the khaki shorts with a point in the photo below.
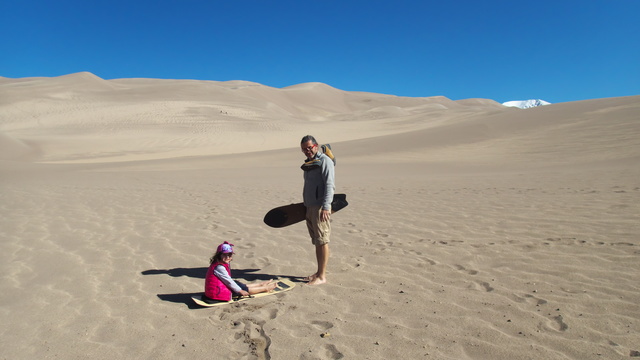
(318, 230)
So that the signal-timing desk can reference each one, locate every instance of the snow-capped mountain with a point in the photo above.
(525, 104)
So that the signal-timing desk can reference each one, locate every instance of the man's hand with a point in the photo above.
(325, 215)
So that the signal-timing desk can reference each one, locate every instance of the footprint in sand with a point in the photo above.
(353, 264)
(261, 262)
(462, 268)
(482, 285)
(322, 325)
(254, 336)
(353, 231)
(259, 311)
(430, 261)
(211, 227)
(330, 351)
(536, 300)
(557, 323)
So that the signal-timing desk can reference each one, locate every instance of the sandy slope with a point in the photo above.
(474, 231)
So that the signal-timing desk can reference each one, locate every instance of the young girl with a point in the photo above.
(218, 285)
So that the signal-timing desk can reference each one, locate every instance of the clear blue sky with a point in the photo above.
(560, 50)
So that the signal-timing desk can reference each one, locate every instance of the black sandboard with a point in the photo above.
(294, 213)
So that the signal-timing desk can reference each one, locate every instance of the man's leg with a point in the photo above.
(322, 256)
(311, 228)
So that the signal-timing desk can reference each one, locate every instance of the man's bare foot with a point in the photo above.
(317, 281)
(310, 278)
(271, 285)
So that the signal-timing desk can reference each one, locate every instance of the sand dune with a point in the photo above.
(138, 119)
(474, 231)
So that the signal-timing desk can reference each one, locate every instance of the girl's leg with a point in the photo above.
(261, 287)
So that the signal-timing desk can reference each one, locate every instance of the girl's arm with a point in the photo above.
(222, 274)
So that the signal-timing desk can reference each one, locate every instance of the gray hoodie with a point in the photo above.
(319, 183)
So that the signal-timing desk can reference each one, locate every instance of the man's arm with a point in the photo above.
(328, 175)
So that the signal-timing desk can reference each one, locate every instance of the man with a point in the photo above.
(317, 194)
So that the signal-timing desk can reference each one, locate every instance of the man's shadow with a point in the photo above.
(199, 272)
(248, 275)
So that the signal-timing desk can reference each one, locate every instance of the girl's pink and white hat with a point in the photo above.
(225, 248)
